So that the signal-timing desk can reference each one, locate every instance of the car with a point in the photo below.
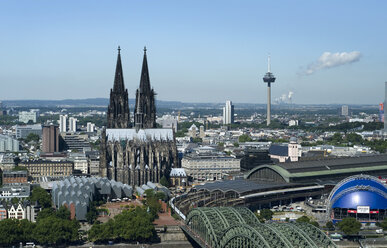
(379, 231)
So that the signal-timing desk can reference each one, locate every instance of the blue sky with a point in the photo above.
(198, 51)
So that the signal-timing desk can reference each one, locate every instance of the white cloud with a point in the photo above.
(329, 60)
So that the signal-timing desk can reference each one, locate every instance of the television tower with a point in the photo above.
(268, 78)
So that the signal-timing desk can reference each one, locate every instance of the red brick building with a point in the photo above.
(10, 177)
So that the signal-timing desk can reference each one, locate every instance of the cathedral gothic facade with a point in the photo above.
(135, 153)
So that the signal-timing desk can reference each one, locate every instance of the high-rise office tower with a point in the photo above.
(63, 123)
(50, 138)
(269, 79)
(228, 113)
(344, 110)
(72, 124)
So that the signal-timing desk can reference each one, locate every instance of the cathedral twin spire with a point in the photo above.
(145, 109)
(119, 77)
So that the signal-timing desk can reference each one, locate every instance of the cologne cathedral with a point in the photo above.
(135, 153)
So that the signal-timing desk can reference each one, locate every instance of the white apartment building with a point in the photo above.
(8, 144)
(63, 123)
(72, 124)
(90, 127)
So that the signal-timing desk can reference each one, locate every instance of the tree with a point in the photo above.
(19, 168)
(260, 218)
(354, 138)
(349, 226)
(164, 181)
(32, 137)
(92, 214)
(42, 196)
(102, 232)
(63, 213)
(337, 138)
(244, 138)
(130, 225)
(134, 225)
(383, 224)
(13, 231)
(161, 196)
(16, 160)
(152, 203)
(314, 223)
(303, 219)
(267, 214)
(197, 140)
(45, 213)
(15, 200)
(330, 225)
(53, 231)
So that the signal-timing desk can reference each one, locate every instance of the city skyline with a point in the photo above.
(324, 53)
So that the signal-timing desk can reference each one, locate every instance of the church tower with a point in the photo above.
(145, 109)
(118, 110)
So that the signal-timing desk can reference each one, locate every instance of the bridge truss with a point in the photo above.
(239, 227)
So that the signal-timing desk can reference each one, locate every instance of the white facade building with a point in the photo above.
(90, 127)
(23, 131)
(63, 123)
(210, 167)
(8, 144)
(16, 212)
(80, 162)
(72, 124)
(26, 116)
(344, 110)
(293, 123)
(168, 121)
(228, 113)
(286, 153)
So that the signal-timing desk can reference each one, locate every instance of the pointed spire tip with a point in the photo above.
(144, 49)
(119, 49)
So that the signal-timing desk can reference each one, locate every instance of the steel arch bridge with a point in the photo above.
(239, 227)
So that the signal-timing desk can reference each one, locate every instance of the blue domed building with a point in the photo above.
(362, 197)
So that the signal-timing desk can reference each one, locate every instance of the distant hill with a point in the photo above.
(103, 102)
(100, 102)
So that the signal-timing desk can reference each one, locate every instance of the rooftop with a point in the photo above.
(155, 134)
(336, 163)
(15, 172)
(324, 170)
(279, 150)
(240, 186)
